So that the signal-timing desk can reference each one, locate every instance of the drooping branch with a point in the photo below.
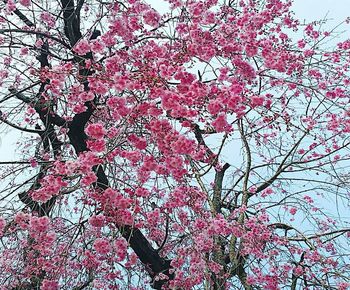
(48, 136)
(283, 166)
(150, 257)
(38, 33)
(54, 118)
(27, 130)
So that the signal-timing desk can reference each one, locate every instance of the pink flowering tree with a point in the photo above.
(203, 148)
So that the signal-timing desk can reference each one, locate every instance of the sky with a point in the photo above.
(337, 10)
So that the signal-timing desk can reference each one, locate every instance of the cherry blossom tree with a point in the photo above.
(202, 148)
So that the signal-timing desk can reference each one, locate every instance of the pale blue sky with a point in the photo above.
(338, 10)
(335, 11)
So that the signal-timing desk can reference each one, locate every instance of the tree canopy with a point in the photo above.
(204, 147)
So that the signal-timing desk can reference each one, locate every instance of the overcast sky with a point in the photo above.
(337, 10)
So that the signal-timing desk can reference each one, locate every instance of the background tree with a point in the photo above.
(205, 148)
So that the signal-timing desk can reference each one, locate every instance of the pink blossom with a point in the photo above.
(7, 61)
(25, 3)
(252, 189)
(82, 47)
(214, 107)
(22, 220)
(266, 192)
(88, 179)
(102, 246)
(121, 247)
(159, 96)
(257, 101)
(301, 151)
(251, 50)
(33, 162)
(11, 5)
(151, 17)
(48, 18)
(308, 199)
(251, 280)
(293, 211)
(298, 271)
(49, 285)
(2, 225)
(139, 143)
(39, 224)
(142, 192)
(96, 131)
(183, 146)
(97, 220)
(79, 108)
(24, 51)
(97, 46)
(343, 286)
(97, 145)
(220, 124)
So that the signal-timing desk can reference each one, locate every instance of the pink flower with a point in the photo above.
(298, 271)
(309, 52)
(252, 189)
(102, 246)
(257, 101)
(293, 211)
(7, 61)
(343, 286)
(97, 46)
(139, 143)
(96, 131)
(251, 280)
(214, 107)
(49, 285)
(11, 5)
(25, 3)
(251, 50)
(33, 162)
(22, 219)
(266, 192)
(82, 47)
(39, 224)
(142, 192)
(183, 145)
(86, 96)
(151, 17)
(96, 145)
(24, 51)
(221, 125)
(79, 108)
(48, 18)
(308, 199)
(301, 151)
(88, 179)
(121, 247)
(2, 225)
(97, 220)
